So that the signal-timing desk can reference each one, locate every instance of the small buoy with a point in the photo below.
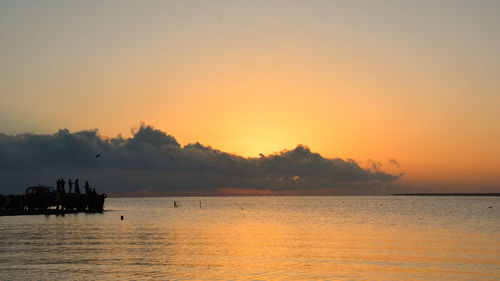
(121, 217)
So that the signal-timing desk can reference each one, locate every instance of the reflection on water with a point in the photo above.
(289, 238)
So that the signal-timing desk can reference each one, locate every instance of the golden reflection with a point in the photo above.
(267, 238)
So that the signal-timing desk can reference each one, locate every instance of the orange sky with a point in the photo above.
(417, 82)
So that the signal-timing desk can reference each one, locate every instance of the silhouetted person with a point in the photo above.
(70, 185)
(77, 187)
(87, 188)
(175, 204)
(63, 183)
(58, 185)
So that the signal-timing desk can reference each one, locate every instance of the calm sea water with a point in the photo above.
(260, 238)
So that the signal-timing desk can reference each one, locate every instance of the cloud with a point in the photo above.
(155, 161)
(394, 162)
(374, 165)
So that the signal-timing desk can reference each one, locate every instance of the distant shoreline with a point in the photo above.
(447, 194)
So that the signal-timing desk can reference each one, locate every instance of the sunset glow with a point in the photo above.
(250, 140)
(349, 82)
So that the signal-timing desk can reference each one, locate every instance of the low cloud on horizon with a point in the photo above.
(153, 162)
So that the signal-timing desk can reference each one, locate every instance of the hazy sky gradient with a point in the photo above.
(417, 81)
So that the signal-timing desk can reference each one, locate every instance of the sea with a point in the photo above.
(260, 238)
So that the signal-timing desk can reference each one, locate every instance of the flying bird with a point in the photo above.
(98, 155)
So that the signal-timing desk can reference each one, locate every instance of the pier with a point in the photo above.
(44, 200)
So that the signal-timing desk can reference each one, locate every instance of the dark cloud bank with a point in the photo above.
(152, 162)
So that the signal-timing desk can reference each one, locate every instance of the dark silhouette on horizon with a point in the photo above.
(70, 185)
(49, 200)
(77, 187)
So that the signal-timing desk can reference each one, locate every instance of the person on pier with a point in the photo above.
(77, 187)
(63, 183)
(87, 187)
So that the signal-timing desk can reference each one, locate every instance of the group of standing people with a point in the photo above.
(61, 186)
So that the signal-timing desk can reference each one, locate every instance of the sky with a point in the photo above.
(409, 87)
